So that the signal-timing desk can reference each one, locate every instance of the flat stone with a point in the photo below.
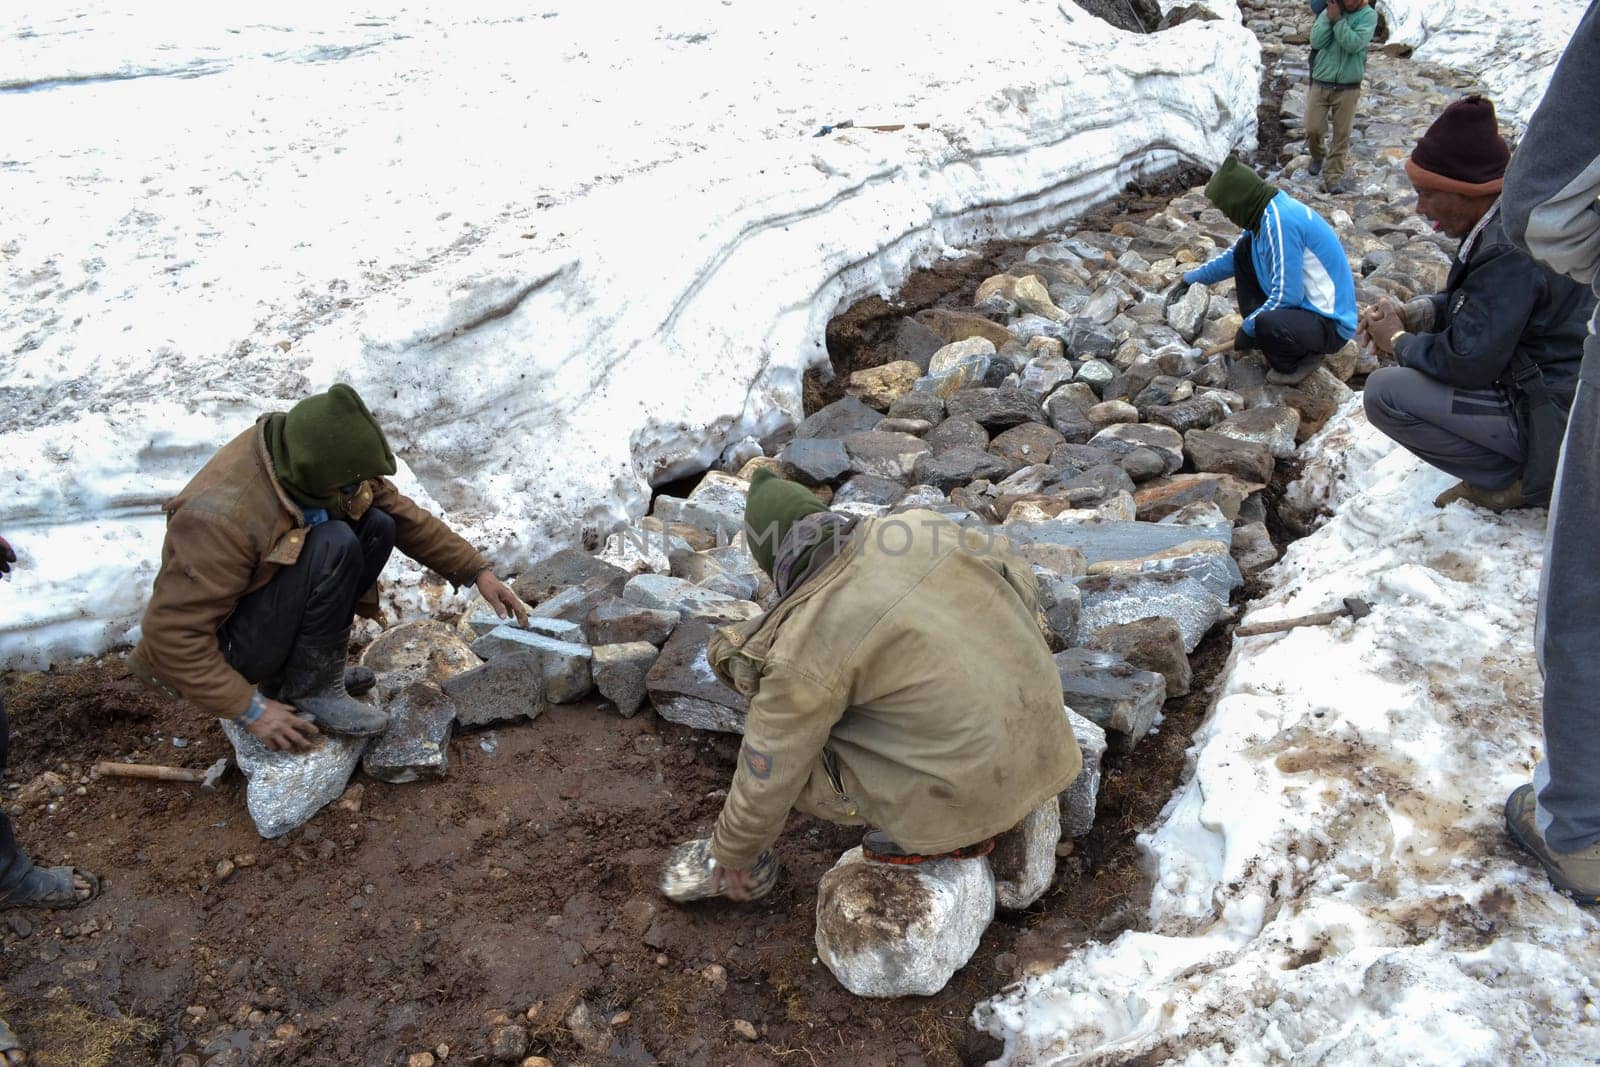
(1058, 561)
(878, 387)
(1158, 499)
(507, 688)
(716, 506)
(683, 688)
(1024, 857)
(915, 343)
(995, 409)
(1092, 487)
(1253, 549)
(814, 461)
(1096, 374)
(1061, 604)
(1273, 428)
(918, 405)
(665, 593)
(1079, 799)
(1188, 313)
(1115, 540)
(885, 455)
(1110, 692)
(1028, 443)
(1142, 464)
(563, 664)
(1116, 598)
(619, 622)
(1111, 413)
(635, 548)
(1120, 440)
(870, 489)
(1152, 644)
(961, 431)
(956, 467)
(425, 650)
(959, 325)
(838, 420)
(1067, 418)
(416, 743)
(914, 427)
(738, 586)
(1208, 562)
(886, 930)
(1209, 451)
(285, 789)
(565, 569)
(620, 672)
(1196, 413)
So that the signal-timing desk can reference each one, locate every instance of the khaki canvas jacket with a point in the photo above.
(905, 686)
(228, 532)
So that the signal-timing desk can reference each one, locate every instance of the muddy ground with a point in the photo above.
(418, 917)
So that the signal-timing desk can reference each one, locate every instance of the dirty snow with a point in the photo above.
(1512, 49)
(1334, 884)
(565, 251)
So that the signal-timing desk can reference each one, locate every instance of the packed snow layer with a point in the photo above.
(1333, 883)
(563, 253)
(1512, 48)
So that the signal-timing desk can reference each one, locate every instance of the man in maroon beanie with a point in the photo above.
(1486, 369)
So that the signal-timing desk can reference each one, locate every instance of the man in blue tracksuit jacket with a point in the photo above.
(1294, 285)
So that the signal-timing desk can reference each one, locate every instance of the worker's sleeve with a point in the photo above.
(788, 725)
(1322, 31)
(1551, 203)
(1214, 271)
(205, 570)
(1490, 311)
(1286, 254)
(426, 539)
(1353, 33)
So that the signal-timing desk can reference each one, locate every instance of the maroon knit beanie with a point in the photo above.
(1462, 152)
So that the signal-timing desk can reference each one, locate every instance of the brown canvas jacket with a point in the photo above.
(228, 532)
(905, 686)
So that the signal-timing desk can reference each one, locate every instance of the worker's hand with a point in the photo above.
(8, 556)
(501, 598)
(281, 730)
(1334, 10)
(735, 885)
(1381, 322)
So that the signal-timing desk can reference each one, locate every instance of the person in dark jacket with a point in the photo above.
(1340, 37)
(1552, 209)
(1472, 357)
(271, 550)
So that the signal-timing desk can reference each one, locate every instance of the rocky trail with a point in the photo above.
(1044, 388)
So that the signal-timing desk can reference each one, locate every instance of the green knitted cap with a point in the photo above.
(1239, 193)
(326, 441)
(772, 506)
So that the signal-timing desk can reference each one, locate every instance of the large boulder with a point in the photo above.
(416, 743)
(507, 688)
(814, 460)
(893, 931)
(419, 651)
(683, 688)
(285, 789)
(838, 420)
(995, 409)
(1149, 644)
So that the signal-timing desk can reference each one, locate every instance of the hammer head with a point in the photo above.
(214, 773)
(1358, 608)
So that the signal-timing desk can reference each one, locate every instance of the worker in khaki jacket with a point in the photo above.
(900, 683)
(270, 551)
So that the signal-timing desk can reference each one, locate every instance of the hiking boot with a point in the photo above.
(1506, 499)
(1315, 168)
(313, 681)
(878, 847)
(1303, 370)
(688, 873)
(1576, 874)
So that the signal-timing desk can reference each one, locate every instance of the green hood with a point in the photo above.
(772, 507)
(326, 441)
(1239, 193)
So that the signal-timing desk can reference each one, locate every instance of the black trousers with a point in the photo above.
(314, 599)
(14, 863)
(1288, 336)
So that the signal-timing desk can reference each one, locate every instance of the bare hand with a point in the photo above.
(1382, 323)
(281, 730)
(501, 598)
(737, 886)
(1334, 11)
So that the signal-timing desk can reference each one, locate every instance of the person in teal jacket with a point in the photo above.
(1339, 41)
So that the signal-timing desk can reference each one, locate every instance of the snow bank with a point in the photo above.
(1512, 48)
(563, 253)
(1334, 882)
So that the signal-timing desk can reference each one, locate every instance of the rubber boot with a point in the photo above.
(313, 681)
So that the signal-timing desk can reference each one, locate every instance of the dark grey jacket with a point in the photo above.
(1552, 197)
(1500, 302)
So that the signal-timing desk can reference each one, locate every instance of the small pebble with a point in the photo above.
(224, 870)
(246, 860)
(285, 1031)
(420, 1059)
(622, 1018)
(537, 1061)
(745, 1029)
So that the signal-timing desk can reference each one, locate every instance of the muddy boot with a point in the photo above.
(313, 681)
(1576, 874)
(688, 873)
(1315, 168)
(1505, 499)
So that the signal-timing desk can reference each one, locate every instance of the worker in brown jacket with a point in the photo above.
(270, 551)
(901, 683)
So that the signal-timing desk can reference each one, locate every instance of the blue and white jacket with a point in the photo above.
(1299, 262)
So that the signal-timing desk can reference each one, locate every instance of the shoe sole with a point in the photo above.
(1579, 896)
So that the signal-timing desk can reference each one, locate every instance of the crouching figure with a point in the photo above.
(901, 683)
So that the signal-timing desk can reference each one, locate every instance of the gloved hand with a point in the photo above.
(8, 556)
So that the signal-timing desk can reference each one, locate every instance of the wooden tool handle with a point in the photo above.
(141, 770)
